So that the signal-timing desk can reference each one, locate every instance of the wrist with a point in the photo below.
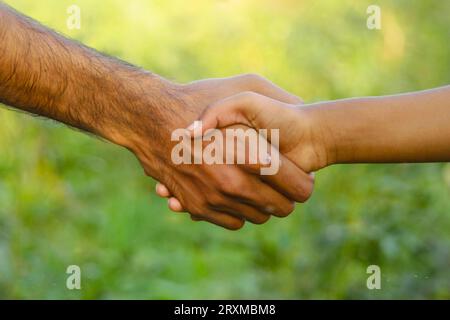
(345, 127)
(322, 136)
(120, 103)
(143, 105)
(131, 108)
(149, 111)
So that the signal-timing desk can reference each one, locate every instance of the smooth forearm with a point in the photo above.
(411, 127)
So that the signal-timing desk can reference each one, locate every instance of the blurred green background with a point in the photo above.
(67, 198)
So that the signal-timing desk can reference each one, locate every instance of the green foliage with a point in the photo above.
(66, 198)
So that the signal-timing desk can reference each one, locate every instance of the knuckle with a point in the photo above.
(232, 185)
(224, 186)
(257, 82)
(235, 187)
(254, 77)
(215, 200)
(199, 209)
(247, 95)
(202, 204)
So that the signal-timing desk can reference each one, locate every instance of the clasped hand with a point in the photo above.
(240, 192)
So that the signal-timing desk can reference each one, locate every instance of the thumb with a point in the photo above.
(242, 108)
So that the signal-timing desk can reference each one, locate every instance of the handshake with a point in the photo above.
(302, 139)
(43, 73)
(231, 187)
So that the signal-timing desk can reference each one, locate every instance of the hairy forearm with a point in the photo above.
(411, 127)
(43, 73)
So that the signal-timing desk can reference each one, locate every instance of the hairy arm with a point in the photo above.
(43, 73)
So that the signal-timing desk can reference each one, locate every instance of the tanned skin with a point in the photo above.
(411, 127)
(46, 74)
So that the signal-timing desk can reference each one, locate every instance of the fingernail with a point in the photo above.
(191, 126)
(194, 125)
(267, 159)
(270, 209)
(194, 129)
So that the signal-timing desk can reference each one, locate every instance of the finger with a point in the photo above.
(247, 108)
(216, 217)
(222, 219)
(265, 199)
(175, 205)
(244, 211)
(244, 145)
(250, 149)
(280, 172)
(290, 180)
(195, 218)
(247, 189)
(162, 191)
